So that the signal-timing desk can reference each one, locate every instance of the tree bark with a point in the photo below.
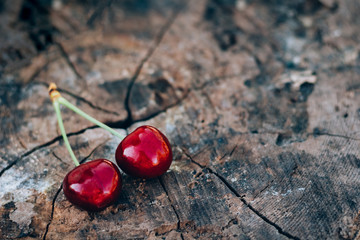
(259, 99)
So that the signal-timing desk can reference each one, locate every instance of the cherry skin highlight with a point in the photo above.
(94, 185)
(144, 153)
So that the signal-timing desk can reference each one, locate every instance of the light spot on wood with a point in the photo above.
(23, 214)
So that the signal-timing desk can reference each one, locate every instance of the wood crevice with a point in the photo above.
(89, 103)
(241, 197)
(98, 12)
(334, 135)
(65, 55)
(52, 212)
(41, 146)
(139, 67)
(172, 206)
(263, 189)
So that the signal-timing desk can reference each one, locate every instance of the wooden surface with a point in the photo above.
(260, 100)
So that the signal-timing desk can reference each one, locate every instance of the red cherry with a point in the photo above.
(93, 185)
(145, 153)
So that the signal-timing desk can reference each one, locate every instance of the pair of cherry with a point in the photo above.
(94, 185)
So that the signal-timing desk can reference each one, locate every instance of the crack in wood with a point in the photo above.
(149, 53)
(263, 189)
(37, 72)
(58, 158)
(66, 20)
(52, 211)
(162, 235)
(124, 124)
(98, 12)
(41, 146)
(172, 206)
(307, 134)
(233, 150)
(232, 221)
(180, 100)
(334, 135)
(228, 154)
(87, 102)
(68, 61)
(32, 78)
(242, 199)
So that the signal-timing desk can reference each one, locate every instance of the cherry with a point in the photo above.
(145, 153)
(93, 185)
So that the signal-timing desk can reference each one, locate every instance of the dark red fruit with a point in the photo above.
(145, 153)
(93, 185)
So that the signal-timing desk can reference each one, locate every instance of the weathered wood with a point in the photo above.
(259, 99)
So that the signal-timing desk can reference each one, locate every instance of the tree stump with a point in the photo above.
(259, 99)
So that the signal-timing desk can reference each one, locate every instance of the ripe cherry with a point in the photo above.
(93, 185)
(145, 153)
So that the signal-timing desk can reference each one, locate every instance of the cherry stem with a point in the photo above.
(63, 132)
(72, 107)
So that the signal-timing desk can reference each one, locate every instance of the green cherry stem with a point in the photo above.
(63, 133)
(56, 97)
(72, 107)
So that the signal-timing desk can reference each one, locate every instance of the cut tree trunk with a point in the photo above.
(259, 99)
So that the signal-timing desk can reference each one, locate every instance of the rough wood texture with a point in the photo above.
(260, 100)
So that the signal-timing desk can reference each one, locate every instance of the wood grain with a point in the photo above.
(259, 99)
